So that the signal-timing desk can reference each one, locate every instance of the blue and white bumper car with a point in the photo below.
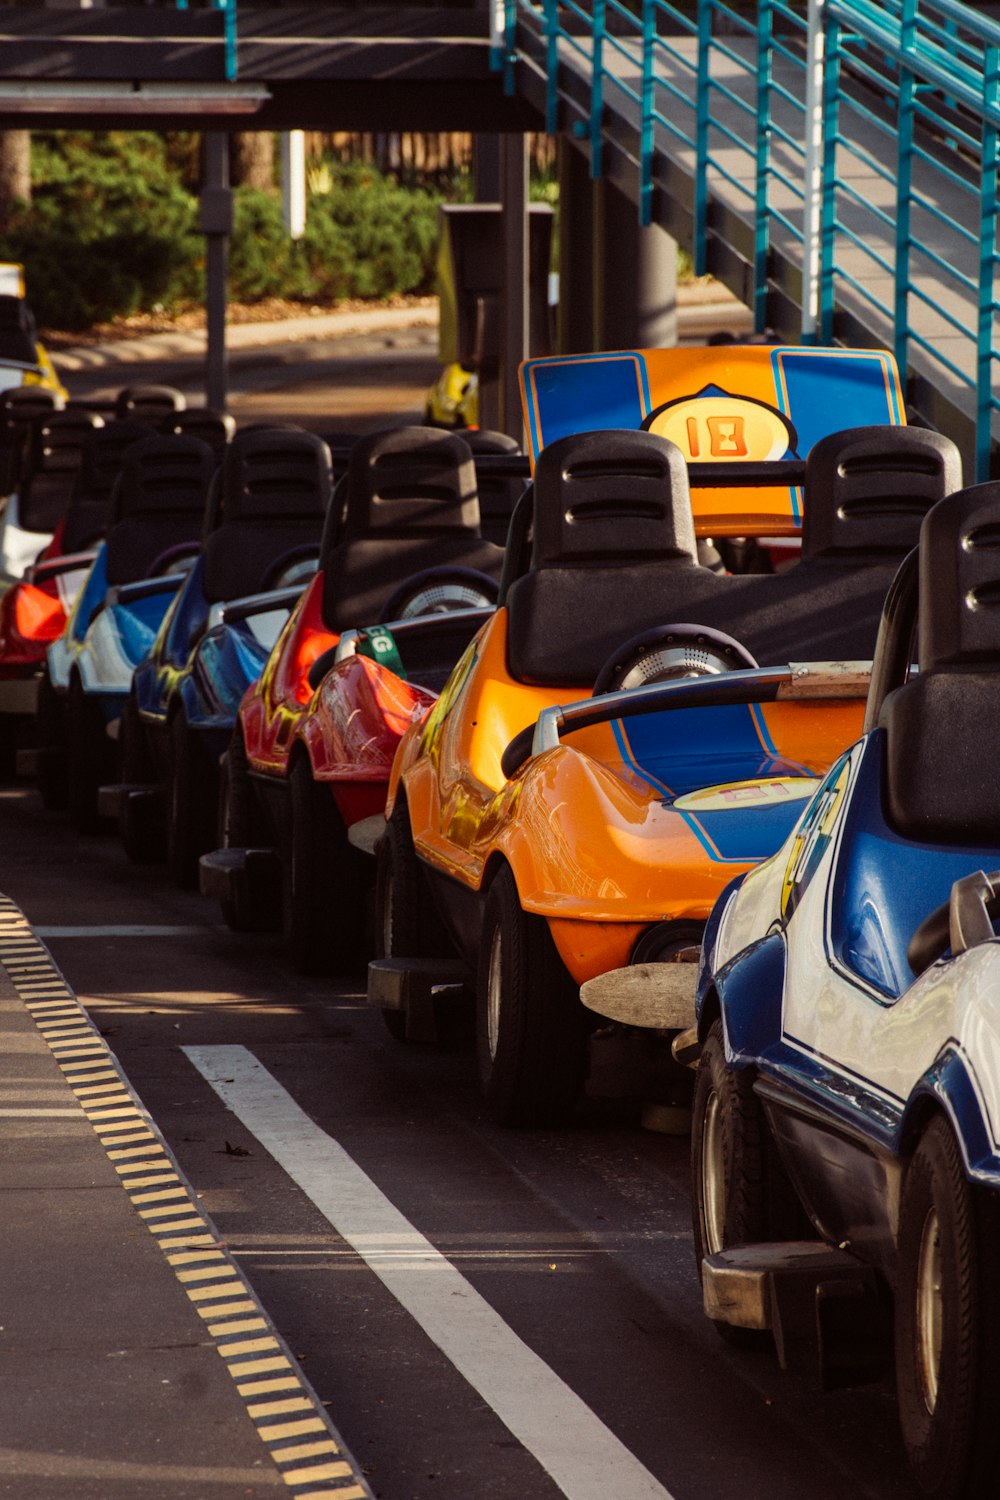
(846, 1124)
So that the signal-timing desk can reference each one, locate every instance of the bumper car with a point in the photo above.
(24, 361)
(76, 453)
(522, 864)
(158, 504)
(261, 546)
(304, 766)
(846, 1160)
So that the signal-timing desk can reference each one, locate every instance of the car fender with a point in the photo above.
(750, 990)
(950, 1086)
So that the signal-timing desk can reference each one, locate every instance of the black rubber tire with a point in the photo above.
(50, 736)
(951, 1434)
(324, 881)
(406, 924)
(144, 840)
(241, 825)
(192, 801)
(531, 1027)
(732, 1165)
(91, 756)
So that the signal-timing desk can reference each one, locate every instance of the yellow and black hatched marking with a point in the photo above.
(288, 1416)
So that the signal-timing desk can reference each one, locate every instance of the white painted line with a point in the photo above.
(581, 1455)
(122, 931)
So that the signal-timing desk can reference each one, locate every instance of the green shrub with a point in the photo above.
(112, 230)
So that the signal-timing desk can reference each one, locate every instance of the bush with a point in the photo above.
(112, 230)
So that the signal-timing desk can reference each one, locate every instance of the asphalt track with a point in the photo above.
(467, 1313)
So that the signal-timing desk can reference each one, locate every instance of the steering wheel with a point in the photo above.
(438, 591)
(297, 565)
(670, 651)
(961, 922)
(177, 559)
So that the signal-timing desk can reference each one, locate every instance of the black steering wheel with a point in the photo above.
(671, 651)
(177, 559)
(961, 922)
(297, 565)
(439, 591)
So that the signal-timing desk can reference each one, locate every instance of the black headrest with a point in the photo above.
(149, 401)
(410, 479)
(103, 451)
(23, 402)
(868, 489)
(60, 440)
(18, 336)
(277, 471)
(163, 475)
(959, 586)
(216, 428)
(605, 496)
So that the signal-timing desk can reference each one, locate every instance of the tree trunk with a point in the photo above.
(15, 168)
(252, 159)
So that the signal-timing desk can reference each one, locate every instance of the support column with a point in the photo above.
(635, 282)
(486, 168)
(575, 316)
(514, 282)
(216, 223)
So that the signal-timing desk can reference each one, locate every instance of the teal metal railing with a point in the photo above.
(858, 138)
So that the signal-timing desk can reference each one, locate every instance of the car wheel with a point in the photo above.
(730, 1164)
(531, 1027)
(52, 776)
(947, 1305)
(240, 826)
(192, 795)
(91, 756)
(406, 924)
(323, 880)
(143, 837)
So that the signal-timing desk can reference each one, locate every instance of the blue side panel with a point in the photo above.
(188, 616)
(751, 988)
(858, 387)
(736, 835)
(587, 394)
(885, 885)
(95, 586)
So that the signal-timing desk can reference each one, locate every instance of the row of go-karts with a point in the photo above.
(709, 835)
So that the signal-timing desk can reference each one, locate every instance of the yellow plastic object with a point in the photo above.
(453, 399)
(602, 833)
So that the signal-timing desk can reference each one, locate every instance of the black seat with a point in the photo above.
(612, 552)
(55, 454)
(941, 760)
(411, 504)
(18, 336)
(867, 491)
(89, 509)
(149, 401)
(157, 504)
(498, 493)
(19, 406)
(216, 428)
(269, 507)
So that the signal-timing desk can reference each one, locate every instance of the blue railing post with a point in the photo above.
(509, 45)
(828, 214)
(646, 110)
(229, 8)
(904, 184)
(702, 116)
(987, 261)
(552, 67)
(598, 26)
(761, 238)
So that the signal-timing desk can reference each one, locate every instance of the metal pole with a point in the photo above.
(293, 182)
(515, 280)
(812, 200)
(216, 223)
